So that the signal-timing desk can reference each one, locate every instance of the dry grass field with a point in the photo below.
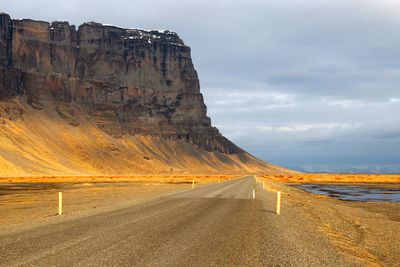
(165, 179)
(333, 178)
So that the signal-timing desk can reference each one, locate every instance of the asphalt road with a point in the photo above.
(213, 225)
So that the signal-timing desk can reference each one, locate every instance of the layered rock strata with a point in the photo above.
(127, 81)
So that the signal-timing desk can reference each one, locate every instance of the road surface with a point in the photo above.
(213, 225)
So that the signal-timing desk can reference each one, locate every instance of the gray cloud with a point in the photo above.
(294, 82)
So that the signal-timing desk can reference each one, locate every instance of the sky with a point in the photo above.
(305, 84)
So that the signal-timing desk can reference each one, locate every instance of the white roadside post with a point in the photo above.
(278, 202)
(59, 203)
(254, 193)
(192, 184)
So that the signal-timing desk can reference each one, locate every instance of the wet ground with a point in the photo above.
(360, 193)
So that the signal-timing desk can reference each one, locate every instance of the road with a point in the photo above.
(214, 225)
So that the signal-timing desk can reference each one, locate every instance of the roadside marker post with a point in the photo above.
(278, 202)
(59, 203)
(192, 184)
(254, 193)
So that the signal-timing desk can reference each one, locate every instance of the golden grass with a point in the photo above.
(333, 178)
(173, 179)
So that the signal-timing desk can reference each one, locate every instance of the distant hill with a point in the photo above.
(365, 169)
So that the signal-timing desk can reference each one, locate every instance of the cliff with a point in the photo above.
(124, 82)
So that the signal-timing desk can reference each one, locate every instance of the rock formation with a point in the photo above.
(131, 81)
(104, 100)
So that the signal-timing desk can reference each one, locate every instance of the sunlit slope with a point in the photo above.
(45, 141)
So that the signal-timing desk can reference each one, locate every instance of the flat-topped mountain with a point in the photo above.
(99, 99)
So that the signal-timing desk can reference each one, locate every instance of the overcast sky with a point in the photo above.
(301, 82)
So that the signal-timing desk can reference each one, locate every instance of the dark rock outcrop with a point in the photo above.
(129, 81)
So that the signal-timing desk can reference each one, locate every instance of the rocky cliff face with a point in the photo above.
(128, 81)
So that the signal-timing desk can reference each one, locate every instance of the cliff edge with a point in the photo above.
(125, 85)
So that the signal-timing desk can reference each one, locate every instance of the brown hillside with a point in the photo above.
(102, 100)
(43, 142)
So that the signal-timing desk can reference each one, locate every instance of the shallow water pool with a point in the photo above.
(361, 193)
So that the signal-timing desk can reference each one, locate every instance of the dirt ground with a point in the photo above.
(25, 199)
(363, 230)
(368, 231)
(21, 203)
